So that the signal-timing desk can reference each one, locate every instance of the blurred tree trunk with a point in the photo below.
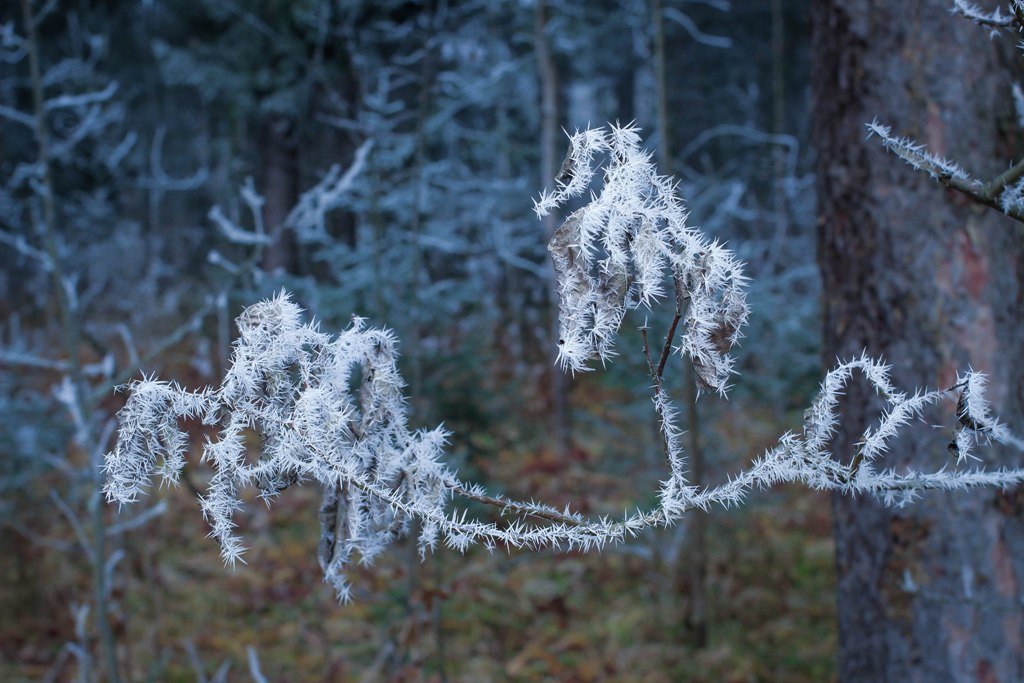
(280, 187)
(558, 383)
(690, 566)
(915, 273)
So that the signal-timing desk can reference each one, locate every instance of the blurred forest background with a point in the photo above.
(163, 164)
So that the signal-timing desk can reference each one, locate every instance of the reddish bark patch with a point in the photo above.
(1002, 569)
(984, 673)
(935, 130)
(974, 264)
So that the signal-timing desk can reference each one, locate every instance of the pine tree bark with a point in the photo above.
(917, 274)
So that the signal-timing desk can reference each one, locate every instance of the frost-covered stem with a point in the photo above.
(951, 175)
(70, 334)
(667, 349)
(254, 665)
(657, 373)
(506, 504)
(994, 20)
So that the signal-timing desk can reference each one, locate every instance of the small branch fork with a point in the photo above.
(989, 193)
(952, 176)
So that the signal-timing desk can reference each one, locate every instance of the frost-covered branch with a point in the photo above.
(21, 245)
(1005, 192)
(160, 181)
(331, 408)
(12, 114)
(234, 232)
(80, 100)
(307, 219)
(995, 19)
(690, 25)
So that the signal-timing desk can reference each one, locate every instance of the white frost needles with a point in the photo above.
(332, 409)
(292, 385)
(615, 250)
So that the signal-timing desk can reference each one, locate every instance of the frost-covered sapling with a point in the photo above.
(331, 408)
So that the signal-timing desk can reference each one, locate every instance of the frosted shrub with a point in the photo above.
(331, 409)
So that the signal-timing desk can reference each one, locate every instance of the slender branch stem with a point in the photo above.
(1011, 175)
(647, 354)
(987, 193)
(667, 349)
(757, 476)
(952, 176)
(506, 504)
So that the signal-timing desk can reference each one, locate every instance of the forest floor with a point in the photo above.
(618, 615)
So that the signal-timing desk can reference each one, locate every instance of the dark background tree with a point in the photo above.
(932, 282)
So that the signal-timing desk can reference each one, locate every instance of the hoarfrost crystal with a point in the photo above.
(331, 409)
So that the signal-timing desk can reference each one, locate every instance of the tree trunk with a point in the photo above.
(558, 383)
(917, 274)
(691, 566)
(280, 188)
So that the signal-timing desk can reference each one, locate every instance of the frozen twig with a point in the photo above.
(234, 232)
(1002, 192)
(994, 20)
(307, 219)
(293, 383)
(331, 408)
(254, 665)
